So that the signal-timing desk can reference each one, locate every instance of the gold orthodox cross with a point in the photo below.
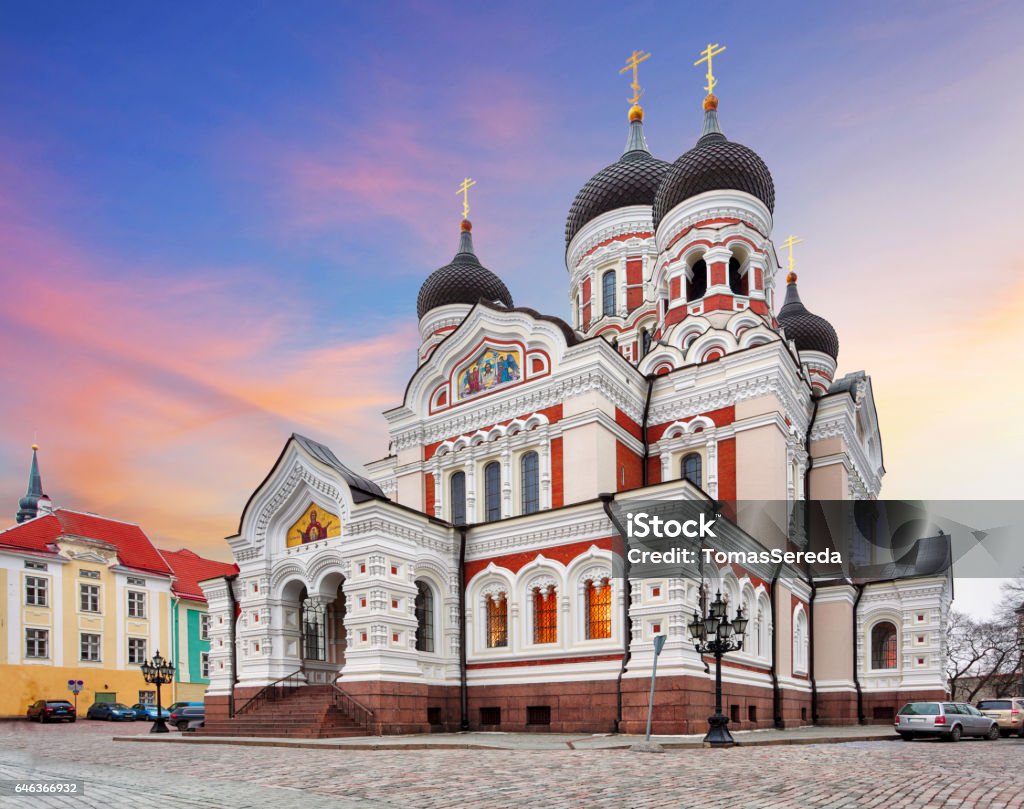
(633, 62)
(709, 52)
(464, 190)
(789, 244)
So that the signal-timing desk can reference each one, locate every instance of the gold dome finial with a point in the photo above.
(465, 226)
(706, 55)
(791, 278)
(464, 190)
(35, 447)
(636, 112)
(710, 102)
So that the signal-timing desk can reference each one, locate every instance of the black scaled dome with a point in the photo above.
(631, 180)
(807, 330)
(464, 280)
(714, 164)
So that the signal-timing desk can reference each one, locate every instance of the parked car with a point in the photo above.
(111, 711)
(175, 705)
(1008, 713)
(148, 711)
(51, 710)
(188, 717)
(946, 720)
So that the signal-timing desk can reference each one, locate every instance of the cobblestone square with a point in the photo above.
(923, 774)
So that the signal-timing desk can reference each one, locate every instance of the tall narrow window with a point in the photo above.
(424, 617)
(545, 614)
(738, 284)
(599, 609)
(457, 490)
(492, 491)
(608, 292)
(37, 643)
(35, 591)
(529, 482)
(136, 651)
(697, 282)
(800, 642)
(883, 646)
(690, 469)
(136, 604)
(89, 598)
(645, 341)
(90, 647)
(497, 621)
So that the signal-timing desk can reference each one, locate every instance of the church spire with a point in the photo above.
(28, 506)
(636, 142)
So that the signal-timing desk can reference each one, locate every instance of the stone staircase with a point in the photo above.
(309, 712)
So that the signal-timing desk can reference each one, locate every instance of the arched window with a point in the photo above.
(690, 468)
(697, 282)
(492, 491)
(608, 293)
(883, 646)
(424, 617)
(599, 609)
(545, 614)
(497, 621)
(313, 621)
(457, 492)
(645, 341)
(739, 284)
(529, 482)
(764, 627)
(800, 642)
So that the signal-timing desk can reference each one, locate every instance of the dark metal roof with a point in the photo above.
(809, 331)
(631, 180)
(28, 506)
(362, 489)
(463, 280)
(715, 163)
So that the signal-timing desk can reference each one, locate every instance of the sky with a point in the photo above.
(215, 218)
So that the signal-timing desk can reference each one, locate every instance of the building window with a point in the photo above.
(690, 469)
(89, 597)
(608, 292)
(492, 491)
(883, 646)
(545, 614)
(136, 651)
(90, 648)
(497, 621)
(37, 643)
(204, 626)
(697, 281)
(599, 609)
(538, 714)
(457, 489)
(645, 342)
(147, 697)
(529, 468)
(136, 604)
(738, 283)
(30, 565)
(424, 617)
(800, 642)
(204, 665)
(134, 581)
(36, 591)
(89, 574)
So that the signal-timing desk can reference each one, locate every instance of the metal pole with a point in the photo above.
(647, 746)
(650, 702)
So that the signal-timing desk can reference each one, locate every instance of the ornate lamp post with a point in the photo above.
(158, 672)
(715, 634)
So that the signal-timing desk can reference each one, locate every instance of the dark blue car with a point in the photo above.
(111, 711)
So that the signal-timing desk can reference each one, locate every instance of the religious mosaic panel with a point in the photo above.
(315, 524)
(490, 369)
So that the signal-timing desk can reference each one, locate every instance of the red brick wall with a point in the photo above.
(428, 494)
(634, 281)
(628, 468)
(557, 474)
(727, 469)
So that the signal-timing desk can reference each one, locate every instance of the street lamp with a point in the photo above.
(158, 672)
(715, 634)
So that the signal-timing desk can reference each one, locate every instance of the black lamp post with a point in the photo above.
(715, 634)
(158, 672)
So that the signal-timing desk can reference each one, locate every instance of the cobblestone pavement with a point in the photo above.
(923, 775)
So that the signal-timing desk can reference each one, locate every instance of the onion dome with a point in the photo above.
(715, 163)
(464, 280)
(631, 180)
(807, 330)
(28, 506)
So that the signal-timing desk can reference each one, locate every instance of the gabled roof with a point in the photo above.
(357, 483)
(134, 548)
(190, 568)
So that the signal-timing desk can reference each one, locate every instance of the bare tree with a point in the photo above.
(988, 656)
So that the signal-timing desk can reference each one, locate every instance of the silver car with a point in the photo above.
(946, 720)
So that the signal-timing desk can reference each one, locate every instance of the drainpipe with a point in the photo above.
(814, 587)
(229, 581)
(175, 648)
(776, 691)
(861, 720)
(627, 633)
(643, 430)
(463, 684)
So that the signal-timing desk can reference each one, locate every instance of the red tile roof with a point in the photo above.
(133, 547)
(190, 569)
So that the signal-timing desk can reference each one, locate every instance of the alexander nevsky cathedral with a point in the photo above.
(468, 579)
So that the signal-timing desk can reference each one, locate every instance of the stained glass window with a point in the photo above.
(599, 609)
(497, 621)
(883, 646)
(545, 615)
(492, 491)
(530, 482)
